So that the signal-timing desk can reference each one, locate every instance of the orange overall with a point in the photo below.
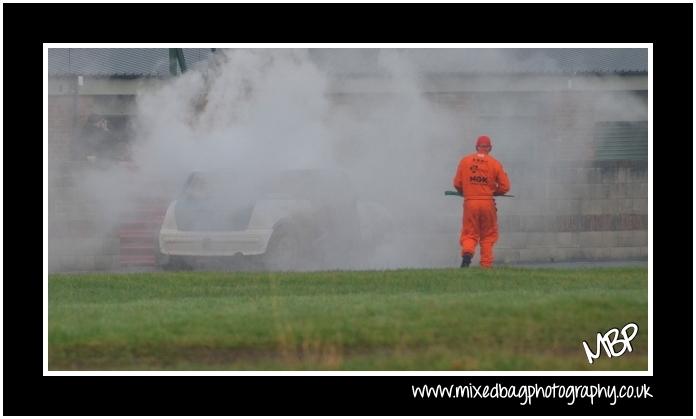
(480, 177)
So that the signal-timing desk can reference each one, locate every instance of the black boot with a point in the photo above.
(466, 260)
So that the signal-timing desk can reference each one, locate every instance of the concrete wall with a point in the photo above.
(602, 215)
(568, 210)
(80, 235)
(73, 242)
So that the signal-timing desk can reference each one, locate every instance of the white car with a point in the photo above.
(289, 220)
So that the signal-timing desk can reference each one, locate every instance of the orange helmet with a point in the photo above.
(484, 142)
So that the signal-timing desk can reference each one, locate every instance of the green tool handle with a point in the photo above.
(455, 193)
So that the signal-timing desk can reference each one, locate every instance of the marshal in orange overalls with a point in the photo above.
(479, 178)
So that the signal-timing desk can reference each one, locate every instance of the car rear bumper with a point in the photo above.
(202, 243)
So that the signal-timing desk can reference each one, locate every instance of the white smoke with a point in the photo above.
(269, 109)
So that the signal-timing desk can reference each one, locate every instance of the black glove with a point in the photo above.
(496, 193)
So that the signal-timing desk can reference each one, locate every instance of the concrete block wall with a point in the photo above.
(587, 211)
(78, 239)
(574, 210)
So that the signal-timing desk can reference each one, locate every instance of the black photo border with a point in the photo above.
(669, 27)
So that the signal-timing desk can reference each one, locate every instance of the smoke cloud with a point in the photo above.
(396, 135)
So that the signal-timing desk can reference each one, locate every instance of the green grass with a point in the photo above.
(501, 319)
